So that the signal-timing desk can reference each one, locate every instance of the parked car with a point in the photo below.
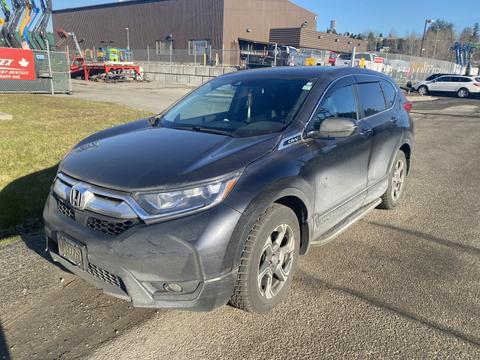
(215, 199)
(463, 86)
(346, 59)
(413, 86)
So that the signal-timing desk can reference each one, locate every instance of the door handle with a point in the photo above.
(394, 119)
(366, 132)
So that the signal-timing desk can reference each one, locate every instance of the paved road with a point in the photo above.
(152, 97)
(399, 284)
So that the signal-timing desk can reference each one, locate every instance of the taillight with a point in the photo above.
(408, 106)
(476, 84)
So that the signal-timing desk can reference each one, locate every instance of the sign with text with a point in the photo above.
(310, 61)
(16, 64)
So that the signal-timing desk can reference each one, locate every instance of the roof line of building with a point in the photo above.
(104, 6)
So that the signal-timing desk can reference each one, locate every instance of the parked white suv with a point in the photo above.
(462, 85)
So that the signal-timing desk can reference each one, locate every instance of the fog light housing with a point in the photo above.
(159, 288)
(173, 287)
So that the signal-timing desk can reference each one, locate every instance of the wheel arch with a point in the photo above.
(407, 150)
(289, 196)
(297, 205)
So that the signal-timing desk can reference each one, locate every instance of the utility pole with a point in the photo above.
(128, 37)
(435, 46)
(427, 21)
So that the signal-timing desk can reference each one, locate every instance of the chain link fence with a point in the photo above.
(404, 69)
(52, 75)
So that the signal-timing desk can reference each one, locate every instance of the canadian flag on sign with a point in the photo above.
(17, 64)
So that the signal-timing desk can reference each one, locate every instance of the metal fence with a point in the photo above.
(52, 75)
(402, 68)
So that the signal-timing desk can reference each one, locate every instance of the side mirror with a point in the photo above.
(335, 128)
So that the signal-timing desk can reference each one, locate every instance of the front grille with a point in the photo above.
(105, 276)
(109, 227)
(65, 209)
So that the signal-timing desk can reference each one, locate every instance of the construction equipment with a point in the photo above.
(110, 63)
(26, 35)
(39, 32)
(27, 16)
(64, 36)
(18, 9)
(25, 24)
(3, 22)
(464, 54)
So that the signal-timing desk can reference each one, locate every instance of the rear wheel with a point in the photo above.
(463, 93)
(423, 90)
(396, 182)
(268, 262)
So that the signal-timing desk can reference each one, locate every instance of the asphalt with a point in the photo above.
(398, 284)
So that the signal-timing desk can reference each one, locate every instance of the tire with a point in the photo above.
(396, 182)
(463, 93)
(423, 90)
(268, 261)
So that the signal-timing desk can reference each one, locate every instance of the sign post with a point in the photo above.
(52, 89)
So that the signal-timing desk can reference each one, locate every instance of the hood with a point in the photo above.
(157, 157)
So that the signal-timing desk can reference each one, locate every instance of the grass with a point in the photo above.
(43, 129)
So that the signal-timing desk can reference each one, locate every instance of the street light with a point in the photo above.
(128, 37)
(427, 21)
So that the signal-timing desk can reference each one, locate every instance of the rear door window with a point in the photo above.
(390, 93)
(371, 98)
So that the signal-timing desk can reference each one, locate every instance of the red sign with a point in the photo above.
(16, 64)
(378, 60)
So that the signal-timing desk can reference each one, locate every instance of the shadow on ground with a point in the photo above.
(22, 201)
(4, 352)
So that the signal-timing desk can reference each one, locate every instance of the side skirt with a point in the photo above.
(345, 224)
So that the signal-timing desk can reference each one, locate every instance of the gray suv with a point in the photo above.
(214, 200)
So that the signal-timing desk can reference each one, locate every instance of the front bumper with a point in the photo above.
(196, 252)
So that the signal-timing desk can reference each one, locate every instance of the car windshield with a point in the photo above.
(345, 56)
(477, 79)
(233, 107)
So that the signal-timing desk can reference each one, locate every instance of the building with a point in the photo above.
(306, 38)
(183, 24)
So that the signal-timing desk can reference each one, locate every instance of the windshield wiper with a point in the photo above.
(204, 129)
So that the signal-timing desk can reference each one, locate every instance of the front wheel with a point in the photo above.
(268, 262)
(463, 93)
(423, 90)
(396, 182)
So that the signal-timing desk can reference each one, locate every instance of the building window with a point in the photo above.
(162, 47)
(198, 47)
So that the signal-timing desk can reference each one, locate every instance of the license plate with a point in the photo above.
(70, 250)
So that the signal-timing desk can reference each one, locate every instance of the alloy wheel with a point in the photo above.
(398, 179)
(276, 261)
(462, 93)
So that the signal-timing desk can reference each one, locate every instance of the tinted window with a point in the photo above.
(389, 92)
(433, 77)
(371, 98)
(464, 79)
(444, 79)
(246, 107)
(339, 104)
(345, 56)
(477, 79)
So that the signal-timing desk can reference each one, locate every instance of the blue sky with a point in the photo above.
(379, 15)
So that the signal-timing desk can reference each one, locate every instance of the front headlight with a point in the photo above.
(189, 199)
